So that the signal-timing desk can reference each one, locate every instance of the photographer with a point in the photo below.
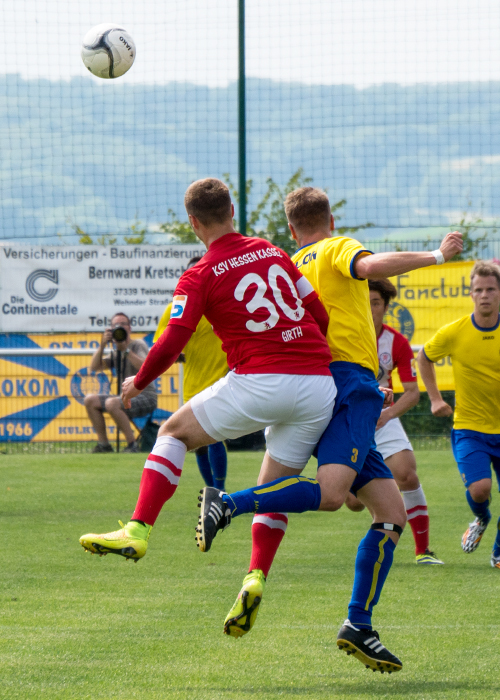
(130, 354)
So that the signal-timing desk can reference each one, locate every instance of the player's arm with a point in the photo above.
(439, 407)
(407, 400)
(98, 362)
(318, 312)
(382, 265)
(161, 357)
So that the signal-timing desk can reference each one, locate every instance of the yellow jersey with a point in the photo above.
(206, 362)
(329, 267)
(475, 357)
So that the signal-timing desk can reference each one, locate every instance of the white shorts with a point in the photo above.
(392, 439)
(294, 409)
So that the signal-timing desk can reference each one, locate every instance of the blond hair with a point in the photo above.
(485, 268)
(209, 201)
(308, 209)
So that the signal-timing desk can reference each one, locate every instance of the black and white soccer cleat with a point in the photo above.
(365, 645)
(214, 515)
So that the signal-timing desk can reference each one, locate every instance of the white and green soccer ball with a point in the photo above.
(108, 51)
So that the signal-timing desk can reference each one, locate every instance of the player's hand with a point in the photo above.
(383, 420)
(129, 391)
(452, 245)
(388, 396)
(106, 337)
(441, 409)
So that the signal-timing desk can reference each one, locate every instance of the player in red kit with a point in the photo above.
(271, 324)
(394, 352)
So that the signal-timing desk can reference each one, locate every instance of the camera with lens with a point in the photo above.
(119, 334)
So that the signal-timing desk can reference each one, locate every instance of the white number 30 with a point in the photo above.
(259, 301)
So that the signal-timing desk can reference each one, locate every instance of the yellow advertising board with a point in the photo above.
(41, 397)
(428, 299)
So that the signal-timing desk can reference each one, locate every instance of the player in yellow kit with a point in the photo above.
(337, 268)
(205, 364)
(473, 343)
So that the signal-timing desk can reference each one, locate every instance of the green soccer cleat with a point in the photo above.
(130, 542)
(428, 558)
(243, 614)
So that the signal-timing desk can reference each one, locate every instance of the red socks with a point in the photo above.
(418, 519)
(160, 477)
(268, 529)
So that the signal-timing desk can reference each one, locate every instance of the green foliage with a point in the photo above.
(268, 219)
(474, 245)
(181, 229)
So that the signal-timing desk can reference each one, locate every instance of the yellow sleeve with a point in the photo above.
(163, 322)
(344, 252)
(440, 345)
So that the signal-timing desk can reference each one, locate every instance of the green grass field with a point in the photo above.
(80, 626)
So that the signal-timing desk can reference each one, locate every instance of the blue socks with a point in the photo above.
(212, 463)
(289, 494)
(373, 561)
(204, 466)
(496, 546)
(480, 510)
(218, 464)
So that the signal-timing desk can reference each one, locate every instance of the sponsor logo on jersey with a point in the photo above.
(178, 306)
(488, 337)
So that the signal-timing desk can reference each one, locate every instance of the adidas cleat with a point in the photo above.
(214, 516)
(472, 536)
(130, 542)
(428, 558)
(365, 645)
(495, 561)
(242, 616)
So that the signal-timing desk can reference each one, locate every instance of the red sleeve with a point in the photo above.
(305, 289)
(404, 360)
(188, 304)
(318, 312)
(163, 354)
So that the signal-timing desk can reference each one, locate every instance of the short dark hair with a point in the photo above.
(120, 313)
(485, 268)
(308, 208)
(385, 288)
(194, 260)
(209, 201)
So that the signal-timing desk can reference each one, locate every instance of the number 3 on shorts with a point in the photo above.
(354, 456)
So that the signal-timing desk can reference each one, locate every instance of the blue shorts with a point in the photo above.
(350, 436)
(475, 453)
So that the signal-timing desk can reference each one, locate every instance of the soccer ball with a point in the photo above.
(108, 51)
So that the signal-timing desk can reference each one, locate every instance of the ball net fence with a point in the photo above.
(393, 108)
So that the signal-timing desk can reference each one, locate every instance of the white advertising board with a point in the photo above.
(79, 288)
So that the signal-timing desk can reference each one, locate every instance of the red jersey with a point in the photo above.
(254, 296)
(394, 351)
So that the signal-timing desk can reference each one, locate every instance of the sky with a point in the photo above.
(360, 42)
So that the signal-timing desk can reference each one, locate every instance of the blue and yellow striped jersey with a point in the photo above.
(329, 267)
(475, 357)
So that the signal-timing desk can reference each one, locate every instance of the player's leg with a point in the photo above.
(203, 462)
(218, 464)
(94, 404)
(268, 530)
(495, 554)
(373, 562)
(474, 464)
(297, 410)
(160, 477)
(113, 406)
(403, 466)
